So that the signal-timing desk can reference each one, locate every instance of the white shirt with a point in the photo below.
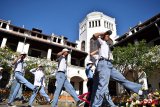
(62, 65)
(0, 77)
(104, 50)
(39, 77)
(19, 66)
(143, 80)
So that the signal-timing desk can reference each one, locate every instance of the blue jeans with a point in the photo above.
(104, 72)
(61, 81)
(13, 85)
(20, 80)
(42, 92)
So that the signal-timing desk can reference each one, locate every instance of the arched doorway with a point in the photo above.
(77, 83)
(83, 46)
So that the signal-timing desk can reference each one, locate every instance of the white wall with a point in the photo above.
(77, 71)
(86, 32)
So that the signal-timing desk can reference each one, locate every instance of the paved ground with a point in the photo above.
(19, 104)
(60, 104)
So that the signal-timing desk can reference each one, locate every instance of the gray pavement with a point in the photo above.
(60, 104)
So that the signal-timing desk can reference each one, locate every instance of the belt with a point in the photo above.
(105, 59)
(61, 71)
(19, 72)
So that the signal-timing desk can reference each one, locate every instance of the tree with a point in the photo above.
(7, 56)
(137, 57)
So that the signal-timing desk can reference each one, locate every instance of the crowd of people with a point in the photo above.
(97, 84)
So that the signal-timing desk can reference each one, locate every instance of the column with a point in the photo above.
(85, 86)
(23, 47)
(1, 24)
(102, 22)
(130, 33)
(69, 59)
(135, 30)
(57, 40)
(62, 40)
(49, 54)
(7, 27)
(4, 41)
(26, 48)
(20, 47)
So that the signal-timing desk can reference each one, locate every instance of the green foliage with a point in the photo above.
(137, 57)
(48, 65)
(7, 56)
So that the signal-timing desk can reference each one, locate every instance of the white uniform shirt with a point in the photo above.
(19, 66)
(143, 80)
(104, 50)
(62, 65)
(39, 77)
(0, 76)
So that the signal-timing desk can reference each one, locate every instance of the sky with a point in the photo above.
(62, 17)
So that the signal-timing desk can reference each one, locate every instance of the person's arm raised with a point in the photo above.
(96, 35)
(19, 57)
(59, 53)
(94, 52)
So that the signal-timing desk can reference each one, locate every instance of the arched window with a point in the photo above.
(93, 45)
(83, 46)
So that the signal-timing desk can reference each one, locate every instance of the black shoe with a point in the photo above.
(15, 99)
(30, 106)
(79, 103)
(11, 105)
(24, 101)
(1, 100)
(50, 101)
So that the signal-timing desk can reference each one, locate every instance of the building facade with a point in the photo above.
(39, 45)
(94, 22)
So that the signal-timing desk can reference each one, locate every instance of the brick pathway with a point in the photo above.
(62, 103)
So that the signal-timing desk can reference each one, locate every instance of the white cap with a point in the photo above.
(65, 50)
(89, 62)
(40, 65)
(1, 68)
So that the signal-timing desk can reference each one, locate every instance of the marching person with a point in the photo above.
(61, 79)
(19, 96)
(39, 81)
(89, 74)
(105, 70)
(19, 76)
(142, 79)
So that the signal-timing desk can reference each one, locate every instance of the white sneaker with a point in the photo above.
(140, 92)
(11, 105)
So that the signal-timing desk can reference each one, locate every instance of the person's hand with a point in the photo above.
(20, 56)
(93, 37)
(90, 54)
(8, 86)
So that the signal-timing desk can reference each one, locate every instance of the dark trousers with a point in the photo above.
(89, 86)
